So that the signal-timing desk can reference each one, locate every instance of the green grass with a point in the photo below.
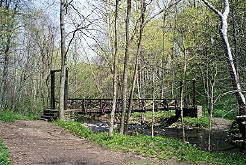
(160, 115)
(227, 114)
(195, 122)
(158, 147)
(4, 154)
(10, 117)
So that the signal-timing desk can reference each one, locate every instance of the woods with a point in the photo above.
(124, 50)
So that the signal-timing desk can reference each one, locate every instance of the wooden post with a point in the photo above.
(194, 92)
(101, 106)
(156, 106)
(52, 90)
(84, 107)
(176, 104)
(66, 90)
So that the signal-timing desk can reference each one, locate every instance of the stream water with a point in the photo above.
(196, 136)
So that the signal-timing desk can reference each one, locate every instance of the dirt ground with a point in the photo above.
(40, 142)
(221, 124)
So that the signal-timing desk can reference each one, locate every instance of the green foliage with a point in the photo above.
(158, 147)
(191, 122)
(160, 115)
(4, 154)
(10, 117)
(225, 113)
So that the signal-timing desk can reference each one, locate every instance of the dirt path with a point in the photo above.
(39, 142)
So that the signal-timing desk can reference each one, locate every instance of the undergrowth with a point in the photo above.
(194, 122)
(158, 147)
(9, 117)
(4, 154)
(137, 116)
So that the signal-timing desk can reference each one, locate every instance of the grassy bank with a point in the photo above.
(194, 122)
(159, 147)
(4, 154)
(162, 115)
(10, 117)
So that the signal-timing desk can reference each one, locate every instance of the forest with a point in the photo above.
(126, 49)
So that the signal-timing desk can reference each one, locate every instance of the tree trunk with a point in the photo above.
(63, 62)
(10, 27)
(181, 102)
(112, 114)
(182, 95)
(5, 73)
(234, 37)
(212, 83)
(153, 105)
(163, 56)
(125, 72)
(139, 49)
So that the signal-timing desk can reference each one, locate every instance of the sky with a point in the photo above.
(85, 7)
(52, 9)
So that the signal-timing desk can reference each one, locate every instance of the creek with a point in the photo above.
(220, 141)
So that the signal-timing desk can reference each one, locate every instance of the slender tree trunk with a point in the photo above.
(5, 72)
(163, 55)
(211, 112)
(234, 37)
(182, 97)
(233, 72)
(63, 62)
(125, 72)
(139, 49)
(3, 86)
(153, 105)
(140, 79)
(112, 114)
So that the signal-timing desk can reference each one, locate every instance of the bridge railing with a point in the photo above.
(105, 105)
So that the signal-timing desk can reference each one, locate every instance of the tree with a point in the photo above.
(139, 49)
(112, 114)
(153, 104)
(8, 12)
(232, 68)
(125, 72)
(63, 61)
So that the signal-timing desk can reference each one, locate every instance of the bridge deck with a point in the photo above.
(104, 106)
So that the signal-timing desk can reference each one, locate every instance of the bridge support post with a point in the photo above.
(52, 89)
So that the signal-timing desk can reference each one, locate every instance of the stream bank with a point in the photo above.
(197, 136)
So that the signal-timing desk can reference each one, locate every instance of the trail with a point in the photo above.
(40, 142)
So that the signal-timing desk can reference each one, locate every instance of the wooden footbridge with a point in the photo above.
(104, 106)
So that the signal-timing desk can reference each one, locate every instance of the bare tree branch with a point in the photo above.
(212, 8)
